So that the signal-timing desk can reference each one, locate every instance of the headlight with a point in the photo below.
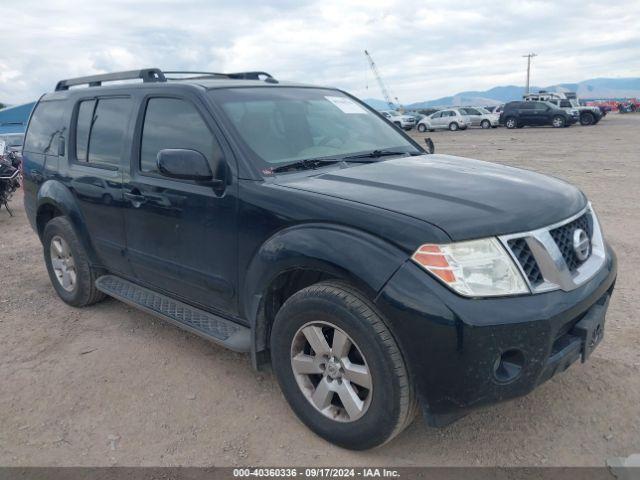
(477, 268)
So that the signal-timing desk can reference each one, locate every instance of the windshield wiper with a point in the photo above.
(377, 154)
(306, 164)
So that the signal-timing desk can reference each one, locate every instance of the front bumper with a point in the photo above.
(452, 344)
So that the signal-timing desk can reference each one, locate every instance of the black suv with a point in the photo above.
(297, 224)
(520, 114)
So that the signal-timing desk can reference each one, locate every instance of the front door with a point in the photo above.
(181, 235)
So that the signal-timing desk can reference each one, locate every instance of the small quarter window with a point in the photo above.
(83, 127)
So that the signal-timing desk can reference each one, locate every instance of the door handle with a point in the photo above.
(136, 198)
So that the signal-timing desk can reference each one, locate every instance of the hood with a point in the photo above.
(465, 198)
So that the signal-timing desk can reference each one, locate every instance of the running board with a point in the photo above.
(212, 327)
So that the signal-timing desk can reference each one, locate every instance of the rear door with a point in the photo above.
(181, 235)
(436, 120)
(526, 114)
(99, 140)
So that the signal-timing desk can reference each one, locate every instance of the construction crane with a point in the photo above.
(385, 92)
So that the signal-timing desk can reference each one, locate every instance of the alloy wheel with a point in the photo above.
(331, 371)
(62, 262)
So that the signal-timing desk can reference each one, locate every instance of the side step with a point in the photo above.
(212, 327)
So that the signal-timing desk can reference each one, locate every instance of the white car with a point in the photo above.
(450, 118)
(481, 117)
(406, 122)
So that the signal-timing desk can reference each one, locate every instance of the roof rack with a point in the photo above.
(157, 75)
(146, 74)
(256, 75)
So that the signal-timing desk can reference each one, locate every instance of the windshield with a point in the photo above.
(281, 125)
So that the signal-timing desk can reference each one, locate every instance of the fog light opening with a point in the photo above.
(508, 366)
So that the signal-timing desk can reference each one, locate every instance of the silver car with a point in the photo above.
(450, 118)
(481, 117)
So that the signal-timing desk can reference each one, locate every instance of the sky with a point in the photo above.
(423, 49)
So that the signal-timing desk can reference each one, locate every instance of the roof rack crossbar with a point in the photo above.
(146, 74)
(255, 75)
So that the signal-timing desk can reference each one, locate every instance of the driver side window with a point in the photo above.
(174, 123)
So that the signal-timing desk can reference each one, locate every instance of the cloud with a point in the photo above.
(423, 49)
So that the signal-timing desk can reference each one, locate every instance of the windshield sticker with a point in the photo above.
(346, 105)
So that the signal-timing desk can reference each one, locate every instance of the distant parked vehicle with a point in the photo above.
(481, 117)
(569, 102)
(11, 142)
(451, 119)
(406, 122)
(520, 114)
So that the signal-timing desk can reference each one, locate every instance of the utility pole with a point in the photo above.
(529, 56)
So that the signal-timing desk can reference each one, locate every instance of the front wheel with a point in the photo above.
(558, 121)
(587, 118)
(453, 126)
(339, 367)
(510, 122)
(486, 124)
(422, 127)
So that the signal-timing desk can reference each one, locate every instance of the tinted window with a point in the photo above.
(45, 127)
(173, 123)
(527, 106)
(83, 127)
(107, 132)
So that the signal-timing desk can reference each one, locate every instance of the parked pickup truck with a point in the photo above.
(296, 224)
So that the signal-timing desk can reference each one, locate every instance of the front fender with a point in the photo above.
(366, 260)
(55, 194)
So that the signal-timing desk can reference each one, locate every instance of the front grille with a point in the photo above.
(526, 259)
(563, 236)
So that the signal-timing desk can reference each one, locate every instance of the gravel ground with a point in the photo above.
(109, 385)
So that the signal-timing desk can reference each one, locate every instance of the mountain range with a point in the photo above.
(595, 88)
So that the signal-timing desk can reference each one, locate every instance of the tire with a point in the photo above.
(422, 127)
(510, 122)
(486, 124)
(587, 118)
(58, 238)
(558, 121)
(388, 406)
(453, 126)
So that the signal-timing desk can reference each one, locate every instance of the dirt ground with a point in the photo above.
(109, 385)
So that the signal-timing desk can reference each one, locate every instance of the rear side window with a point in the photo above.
(100, 129)
(45, 128)
(174, 123)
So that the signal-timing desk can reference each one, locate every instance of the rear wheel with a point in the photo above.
(558, 121)
(71, 275)
(510, 122)
(485, 124)
(453, 126)
(339, 367)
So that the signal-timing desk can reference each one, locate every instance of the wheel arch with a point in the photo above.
(53, 200)
(300, 256)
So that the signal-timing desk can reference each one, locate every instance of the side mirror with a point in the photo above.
(184, 164)
(431, 148)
